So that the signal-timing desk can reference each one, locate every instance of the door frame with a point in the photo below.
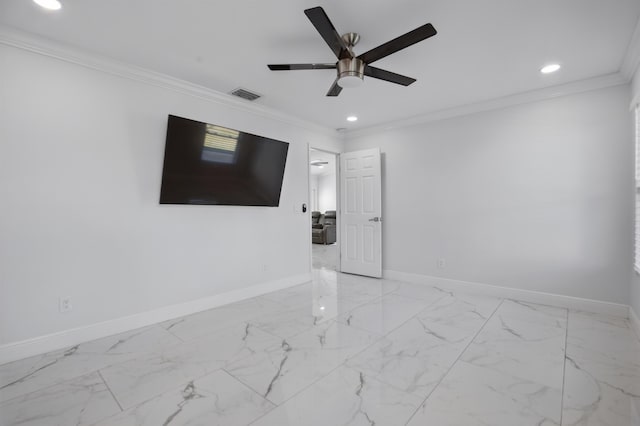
(338, 209)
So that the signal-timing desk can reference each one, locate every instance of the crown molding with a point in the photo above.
(632, 58)
(18, 39)
(576, 87)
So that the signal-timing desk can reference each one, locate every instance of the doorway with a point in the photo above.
(323, 194)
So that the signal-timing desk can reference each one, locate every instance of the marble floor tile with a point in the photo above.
(140, 379)
(531, 312)
(602, 372)
(427, 293)
(383, 315)
(459, 316)
(356, 288)
(206, 322)
(478, 396)
(302, 295)
(34, 373)
(344, 397)
(342, 350)
(324, 256)
(410, 358)
(279, 372)
(213, 400)
(289, 321)
(415, 356)
(81, 401)
(604, 338)
(512, 343)
(460, 310)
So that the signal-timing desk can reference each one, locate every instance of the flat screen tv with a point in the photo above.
(209, 164)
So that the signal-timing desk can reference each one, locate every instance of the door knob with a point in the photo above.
(375, 219)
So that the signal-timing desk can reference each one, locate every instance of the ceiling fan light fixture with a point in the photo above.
(49, 4)
(350, 73)
(350, 81)
(551, 68)
(352, 118)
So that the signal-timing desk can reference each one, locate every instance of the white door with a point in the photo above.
(360, 218)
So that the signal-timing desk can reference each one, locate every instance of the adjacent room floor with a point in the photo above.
(342, 350)
(325, 256)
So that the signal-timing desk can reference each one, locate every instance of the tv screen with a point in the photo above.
(209, 164)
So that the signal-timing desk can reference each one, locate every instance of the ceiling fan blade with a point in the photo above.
(292, 67)
(398, 43)
(335, 89)
(388, 76)
(321, 21)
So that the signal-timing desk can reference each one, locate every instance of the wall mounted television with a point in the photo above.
(214, 165)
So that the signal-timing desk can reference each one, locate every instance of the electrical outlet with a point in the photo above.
(442, 263)
(265, 267)
(64, 304)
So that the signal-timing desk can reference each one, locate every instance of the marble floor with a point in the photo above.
(342, 350)
(324, 256)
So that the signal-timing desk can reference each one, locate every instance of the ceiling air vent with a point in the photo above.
(245, 94)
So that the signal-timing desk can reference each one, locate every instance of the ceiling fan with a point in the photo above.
(351, 69)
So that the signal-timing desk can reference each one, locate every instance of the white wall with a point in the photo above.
(327, 192)
(635, 86)
(634, 299)
(315, 198)
(81, 156)
(532, 197)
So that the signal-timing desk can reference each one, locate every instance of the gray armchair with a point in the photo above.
(315, 219)
(324, 231)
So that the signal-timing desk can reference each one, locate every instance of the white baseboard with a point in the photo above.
(64, 339)
(635, 321)
(562, 301)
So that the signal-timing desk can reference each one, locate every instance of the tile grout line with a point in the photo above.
(383, 336)
(274, 405)
(270, 333)
(110, 391)
(173, 334)
(47, 387)
(564, 369)
(393, 292)
(248, 386)
(342, 364)
(456, 361)
(379, 336)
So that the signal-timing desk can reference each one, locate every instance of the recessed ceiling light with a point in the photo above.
(49, 4)
(548, 69)
(352, 118)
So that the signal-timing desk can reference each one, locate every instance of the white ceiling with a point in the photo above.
(483, 50)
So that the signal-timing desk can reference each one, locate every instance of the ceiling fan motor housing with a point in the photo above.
(350, 72)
